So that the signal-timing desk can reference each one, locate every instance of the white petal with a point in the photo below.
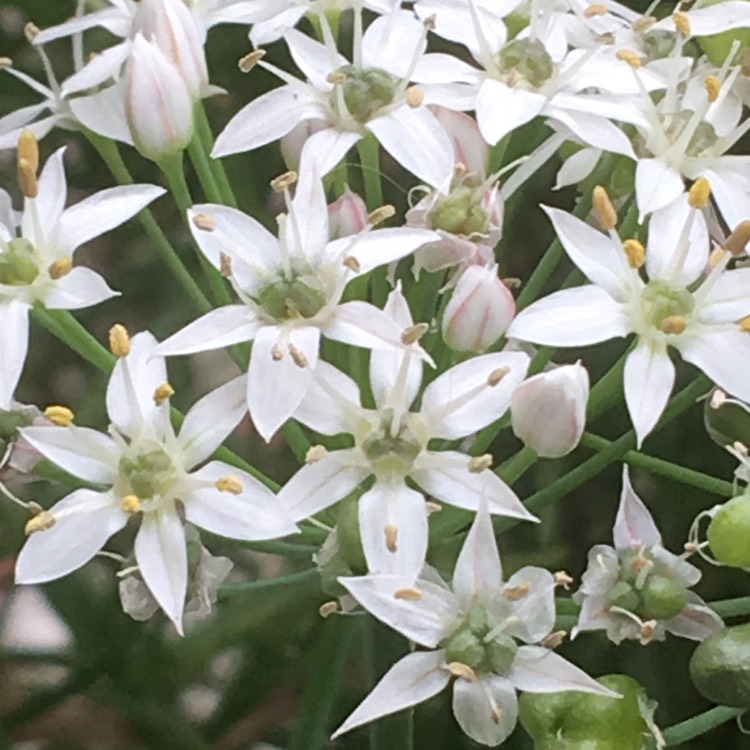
(103, 66)
(461, 401)
(104, 113)
(222, 327)
(730, 187)
(210, 420)
(362, 324)
(501, 109)
(393, 505)
(256, 513)
(85, 521)
(392, 41)
(423, 621)
(49, 201)
(571, 317)
(729, 298)
(487, 709)
(414, 138)
(313, 58)
(112, 19)
(478, 570)
(656, 185)
(131, 388)
(711, 20)
(539, 670)
(382, 246)
(82, 452)
(14, 323)
(649, 378)
(80, 288)
(325, 149)
(696, 622)
(593, 130)
(319, 485)
(413, 679)
(634, 525)
(439, 67)
(469, 148)
(307, 232)
(578, 167)
(275, 388)
(535, 612)
(161, 554)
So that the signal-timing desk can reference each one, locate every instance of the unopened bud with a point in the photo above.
(739, 238)
(548, 411)
(699, 193)
(479, 311)
(346, 216)
(604, 209)
(60, 267)
(119, 340)
(230, 484)
(59, 415)
(163, 393)
(249, 61)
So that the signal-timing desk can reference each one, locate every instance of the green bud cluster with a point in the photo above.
(388, 452)
(148, 474)
(17, 264)
(661, 301)
(366, 91)
(460, 212)
(528, 58)
(702, 139)
(290, 298)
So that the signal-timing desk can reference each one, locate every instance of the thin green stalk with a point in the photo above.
(369, 156)
(664, 468)
(700, 724)
(296, 439)
(203, 128)
(111, 156)
(291, 579)
(731, 607)
(199, 159)
(516, 467)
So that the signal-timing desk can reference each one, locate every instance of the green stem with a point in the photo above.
(731, 607)
(199, 159)
(664, 468)
(516, 467)
(369, 156)
(291, 579)
(111, 156)
(203, 128)
(700, 724)
(296, 439)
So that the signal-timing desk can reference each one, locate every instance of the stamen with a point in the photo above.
(277, 353)
(31, 32)
(163, 393)
(391, 537)
(131, 505)
(230, 484)
(563, 579)
(119, 340)
(298, 356)
(59, 415)
(60, 267)
(716, 257)
(515, 593)
(675, 324)
(497, 375)
(745, 324)
(477, 464)
(635, 252)
(644, 23)
(381, 214)
(595, 9)
(431, 507)
(40, 522)
(28, 148)
(462, 670)
(603, 208)
(6, 62)
(554, 640)
(712, 84)
(204, 222)
(512, 282)
(249, 61)
(27, 181)
(409, 594)
(283, 181)
(699, 193)
(647, 632)
(352, 263)
(414, 97)
(337, 77)
(631, 58)
(225, 265)
(315, 453)
(739, 238)
(718, 399)
(414, 333)
(328, 608)
(682, 23)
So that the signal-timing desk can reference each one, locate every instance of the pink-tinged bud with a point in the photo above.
(347, 215)
(549, 410)
(479, 311)
(158, 106)
(170, 25)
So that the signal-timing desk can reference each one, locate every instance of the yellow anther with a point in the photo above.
(745, 324)
(647, 632)
(27, 181)
(554, 640)
(409, 594)
(644, 23)
(682, 22)
(604, 209)
(497, 375)
(595, 9)
(412, 334)
(457, 669)
(31, 31)
(352, 264)
(414, 97)
(391, 537)
(631, 58)
(691, 548)
(328, 608)
(163, 393)
(277, 353)
(712, 85)
(512, 282)
(635, 253)
(315, 453)
(119, 340)
(337, 77)
(298, 356)
(477, 464)
(59, 415)
(28, 148)
(514, 593)
(718, 399)
(60, 267)
(674, 324)
(740, 448)
(204, 222)
(381, 214)
(131, 504)
(230, 484)
(739, 238)
(716, 256)
(563, 579)
(496, 714)
(225, 265)
(431, 507)
(699, 193)
(283, 181)
(40, 522)
(6, 62)
(430, 21)
(249, 61)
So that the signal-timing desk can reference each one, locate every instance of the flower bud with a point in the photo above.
(479, 311)
(170, 25)
(549, 410)
(346, 216)
(158, 106)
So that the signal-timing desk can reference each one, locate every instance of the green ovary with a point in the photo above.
(660, 301)
(147, 473)
(366, 91)
(290, 298)
(528, 58)
(460, 213)
(702, 139)
(17, 264)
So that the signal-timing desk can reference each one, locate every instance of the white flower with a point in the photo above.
(36, 256)
(677, 307)
(475, 625)
(290, 291)
(371, 95)
(638, 590)
(391, 445)
(148, 471)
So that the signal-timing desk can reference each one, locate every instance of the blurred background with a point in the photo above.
(265, 669)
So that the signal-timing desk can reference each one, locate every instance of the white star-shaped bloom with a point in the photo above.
(290, 291)
(148, 471)
(472, 628)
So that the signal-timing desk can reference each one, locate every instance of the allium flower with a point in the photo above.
(638, 590)
(391, 444)
(36, 255)
(290, 291)
(370, 95)
(475, 625)
(678, 306)
(148, 472)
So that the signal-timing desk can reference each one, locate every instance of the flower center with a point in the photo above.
(367, 90)
(527, 58)
(460, 213)
(295, 297)
(702, 139)
(476, 644)
(658, 43)
(147, 471)
(391, 450)
(17, 264)
(661, 301)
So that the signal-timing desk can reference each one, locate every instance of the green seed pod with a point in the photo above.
(466, 648)
(623, 595)
(661, 598)
(17, 266)
(729, 533)
(366, 91)
(459, 213)
(501, 651)
(720, 667)
(543, 714)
